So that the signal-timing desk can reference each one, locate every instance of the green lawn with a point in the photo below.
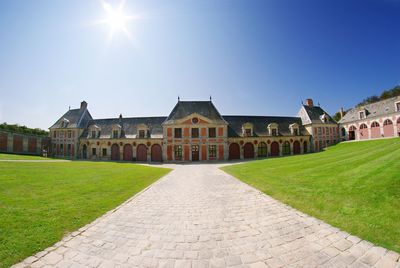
(21, 157)
(354, 186)
(41, 202)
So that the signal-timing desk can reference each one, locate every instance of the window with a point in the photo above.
(115, 134)
(69, 134)
(247, 132)
(141, 134)
(178, 152)
(195, 132)
(93, 134)
(212, 151)
(387, 122)
(274, 132)
(178, 133)
(212, 132)
(55, 134)
(362, 114)
(319, 131)
(295, 131)
(262, 149)
(398, 106)
(104, 151)
(93, 151)
(286, 148)
(68, 149)
(62, 148)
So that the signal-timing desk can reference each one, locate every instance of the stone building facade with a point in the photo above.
(373, 121)
(193, 131)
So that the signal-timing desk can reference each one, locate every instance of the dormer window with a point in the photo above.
(398, 106)
(294, 129)
(142, 134)
(93, 134)
(273, 129)
(247, 130)
(143, 131)
(361, 115)
(324, 118)
(115, 134)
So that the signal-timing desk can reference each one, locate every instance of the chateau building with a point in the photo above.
(193, 131)
(372, 121)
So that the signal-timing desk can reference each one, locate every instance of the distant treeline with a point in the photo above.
(23, 129)
(384, 95)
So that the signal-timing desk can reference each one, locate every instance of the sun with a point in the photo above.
(116, 19)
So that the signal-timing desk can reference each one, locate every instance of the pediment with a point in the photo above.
(194, 119)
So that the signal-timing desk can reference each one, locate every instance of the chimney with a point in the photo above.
(83, 105)
(309, 103)
(341, 112)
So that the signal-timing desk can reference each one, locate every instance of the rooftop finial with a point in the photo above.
(210, 98)
(179, 99)
(69, 108)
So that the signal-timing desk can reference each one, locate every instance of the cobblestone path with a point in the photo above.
(198, 216)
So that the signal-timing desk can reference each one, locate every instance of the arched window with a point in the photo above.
(387, 122)
(262, 149)
(286, 148)
(352, 128)
(363, 126)
(343, 131)
(375, 124)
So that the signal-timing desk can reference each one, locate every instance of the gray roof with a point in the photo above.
(314, 115)
(129, 126)
(375, 109)
(186, 108)
(75, 118)
(260, 124)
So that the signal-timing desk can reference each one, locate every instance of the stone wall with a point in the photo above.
(17, 143)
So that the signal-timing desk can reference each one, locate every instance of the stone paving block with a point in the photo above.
(199, 216)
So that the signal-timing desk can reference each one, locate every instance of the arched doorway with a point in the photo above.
(115, 152)
(128, 155)
(234, 151)
(274, 149)
(388, 130)
(305, 147)
(363, 133)
(375, 130)
(84, 151)
(296, 147)
(262, 150)
(352, 133)
(286, 148)
(141, 153)
(156, 153)
(248, 150)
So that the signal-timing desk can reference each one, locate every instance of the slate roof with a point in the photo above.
(185, 108)
(260, 124)
(129, 126)
(373, 110)
(314, 114)
(75, 118)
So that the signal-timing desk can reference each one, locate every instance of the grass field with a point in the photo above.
(41, 202)
(21, 157)
(354, 186)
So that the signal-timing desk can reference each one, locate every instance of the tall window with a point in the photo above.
(295, 131)
(141, 134)
(93, 151)
(398, 106)
(115, 134)
(211, 132)
(93, 134)
(212, 151)
(62, 148)
(274, 132)
(362, 115)
(68, 149)
(178, 152)
(195, 132)
(69, 134)
(104, 151)
(262, 149)
(247, 132)
(54, 134)
(178, 133)
(286, 148)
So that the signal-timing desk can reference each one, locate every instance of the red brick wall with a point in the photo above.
(186, 132)
(169, 132)
(3, 142)
(203, 132)
(203, 152)
(169, 152)
(220, 131)
(17, 144)
(186, 152)
(220, 152)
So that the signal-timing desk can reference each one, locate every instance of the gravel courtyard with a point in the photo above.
(199, 216)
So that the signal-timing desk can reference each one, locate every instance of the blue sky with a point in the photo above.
(253, 57)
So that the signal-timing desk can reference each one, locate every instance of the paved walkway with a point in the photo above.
(198, 216)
